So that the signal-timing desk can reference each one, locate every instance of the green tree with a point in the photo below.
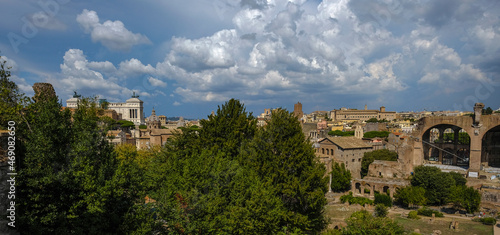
(341, 133)
(381, 210)
(362, 222)
(11, 99)
(229, 177)
(68, 180)
(285, 159)
(341, 178)
(381, 154)
(373, 134)
(410, 196)
(466, 198)
(229, 128)
(384, 199)
(487, 111)
(209, 193)
(437, 184)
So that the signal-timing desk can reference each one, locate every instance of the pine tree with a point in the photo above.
(341, 178)
(285, 159)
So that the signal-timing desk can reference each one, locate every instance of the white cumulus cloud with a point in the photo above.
(111, 34)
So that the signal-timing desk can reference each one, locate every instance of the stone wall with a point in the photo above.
(45, 90)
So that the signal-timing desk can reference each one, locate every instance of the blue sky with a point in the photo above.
(185, 57)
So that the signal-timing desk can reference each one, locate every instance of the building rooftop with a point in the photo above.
(348, 142)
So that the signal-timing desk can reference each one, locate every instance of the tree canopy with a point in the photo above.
(231, 177)
(362, 222)
(70, 180)
(373, 134)
(341, 178)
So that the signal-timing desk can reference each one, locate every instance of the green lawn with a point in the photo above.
(467, 227)
(443, 224)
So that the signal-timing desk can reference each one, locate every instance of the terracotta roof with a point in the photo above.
(348, 142)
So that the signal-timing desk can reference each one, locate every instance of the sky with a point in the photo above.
(187, 57)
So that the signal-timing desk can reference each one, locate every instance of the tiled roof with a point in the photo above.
(348, 142)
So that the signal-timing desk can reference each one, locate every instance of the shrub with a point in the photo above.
(355, 200)
(413, 215)
(383, 199)
(381, 210)
(428, 212)
(486, 220)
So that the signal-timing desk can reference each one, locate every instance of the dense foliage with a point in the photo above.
(428, 212)
(464, 197)
(413, 215)
(410, 196)
(381, 154)
(355, 200)
(70, 180)
(384, 199)
(11, 99)
(341, 178)
(362, 222)
(437, 184)
(341, 133)
(381, 210)
(486, 220)
(373, 134)
(230, 177)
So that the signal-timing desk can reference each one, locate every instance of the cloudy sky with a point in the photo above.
(185, 57)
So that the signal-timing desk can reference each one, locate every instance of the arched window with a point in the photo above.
(322, 151)
(327, 151)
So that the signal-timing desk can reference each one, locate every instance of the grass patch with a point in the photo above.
(466, 227)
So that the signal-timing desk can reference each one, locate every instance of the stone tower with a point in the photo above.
(358, 132)
(297, 110)
(153, 121)
(43, 91)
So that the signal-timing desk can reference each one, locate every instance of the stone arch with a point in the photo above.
(442, 142)
(357, 188)
(385, 189)
(491, 147)
(368, 187)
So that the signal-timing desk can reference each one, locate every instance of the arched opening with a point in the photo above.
(322, 151)
(448, 156)
(385, 189)
(367, 189)
(446, 144)
(336, 227)
(327, 151)
(491, 147)
(434, 154)
(357, 188)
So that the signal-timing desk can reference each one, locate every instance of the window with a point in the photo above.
(353, 160)
(327, 151)
(322, 151)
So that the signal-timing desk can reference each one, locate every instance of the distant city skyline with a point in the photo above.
(186, 57)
